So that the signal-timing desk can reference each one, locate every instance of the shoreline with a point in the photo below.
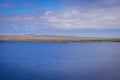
(53, 38)
(62, 40)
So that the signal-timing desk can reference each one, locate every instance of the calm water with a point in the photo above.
(59, 61)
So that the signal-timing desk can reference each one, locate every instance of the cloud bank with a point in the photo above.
(108, 18)
(102, 14)
(78, 19)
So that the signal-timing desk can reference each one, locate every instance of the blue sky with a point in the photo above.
(85, 18)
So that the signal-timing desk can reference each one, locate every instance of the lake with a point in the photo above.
(59, 61)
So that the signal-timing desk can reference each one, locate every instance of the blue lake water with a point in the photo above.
(59, 61)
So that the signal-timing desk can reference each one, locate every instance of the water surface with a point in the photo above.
(59, 61)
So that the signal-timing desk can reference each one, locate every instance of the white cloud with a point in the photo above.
(76, 19)
(91, 18)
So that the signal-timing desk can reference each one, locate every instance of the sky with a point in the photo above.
(84, 18)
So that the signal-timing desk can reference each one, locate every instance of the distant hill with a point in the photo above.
(33, 37)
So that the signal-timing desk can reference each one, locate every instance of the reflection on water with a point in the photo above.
(59, 61)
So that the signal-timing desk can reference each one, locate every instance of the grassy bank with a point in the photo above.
(62, 40)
